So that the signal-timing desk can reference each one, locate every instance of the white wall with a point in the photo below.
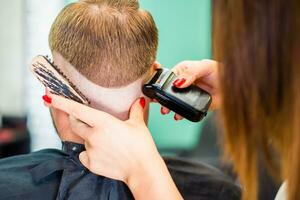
(11, 57)
(24, 29)
(40, 15)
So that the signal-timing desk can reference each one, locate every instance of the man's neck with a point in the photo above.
(70, 136)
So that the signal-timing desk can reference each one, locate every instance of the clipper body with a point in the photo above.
(191, 103)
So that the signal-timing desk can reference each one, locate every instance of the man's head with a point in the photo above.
(106, 48)
(110, 42)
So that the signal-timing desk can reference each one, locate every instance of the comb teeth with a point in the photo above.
(48, 58)
(71, 84)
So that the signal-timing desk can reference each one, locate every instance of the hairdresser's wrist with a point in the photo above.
(142, 177)
(152, 180)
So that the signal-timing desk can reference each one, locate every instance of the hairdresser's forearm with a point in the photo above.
(153, 182)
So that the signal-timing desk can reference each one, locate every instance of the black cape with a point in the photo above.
(58, 174)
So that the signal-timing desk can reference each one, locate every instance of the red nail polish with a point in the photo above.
(181, 82)
(176, 82)
(162, 111)
(47, 99)
(142, 102)
(175, 118)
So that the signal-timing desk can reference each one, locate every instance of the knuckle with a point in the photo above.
(183, 67)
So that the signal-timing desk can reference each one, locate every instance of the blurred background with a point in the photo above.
(25, 123)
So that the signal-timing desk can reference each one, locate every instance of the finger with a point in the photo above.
(206, 87)
(164, 110)
(137, 110)
(78, 127)
(84, 159)
(199, 68)
(45, 97)
(82, 112)
(185, 74)
(156, 65)
(153, 100)
(178, 117)
(46, 91)
(216, 102)
(189, 71)
(47, 104)
(184, 80)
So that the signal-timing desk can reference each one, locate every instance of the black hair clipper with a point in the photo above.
(191, 103)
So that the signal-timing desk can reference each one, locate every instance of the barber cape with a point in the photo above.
(58, 174)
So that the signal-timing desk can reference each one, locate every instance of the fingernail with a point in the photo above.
(176, 82)
(142, 102)
(162, 111)
(179, 82)
(47, 99)
(175, 118)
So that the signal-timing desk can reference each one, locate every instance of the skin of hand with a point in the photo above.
(204, 74)
(121, 150)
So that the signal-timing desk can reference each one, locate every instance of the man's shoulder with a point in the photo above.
(196, 180)
(17, 182)
(27, 160)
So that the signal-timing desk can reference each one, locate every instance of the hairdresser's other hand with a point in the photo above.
(121, 150)
(204, 74)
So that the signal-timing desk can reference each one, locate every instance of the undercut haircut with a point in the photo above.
(110, 42)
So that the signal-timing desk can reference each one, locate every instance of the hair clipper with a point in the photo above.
(191, 103)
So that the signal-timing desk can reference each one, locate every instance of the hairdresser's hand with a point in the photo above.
(121, 150)
(204, 74)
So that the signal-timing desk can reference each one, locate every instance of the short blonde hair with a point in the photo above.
(111, 42)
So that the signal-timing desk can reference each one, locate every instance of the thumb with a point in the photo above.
(137, 110)
(189, 71)
(84, 159)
